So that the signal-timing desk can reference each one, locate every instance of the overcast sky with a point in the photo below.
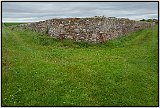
(37, 11)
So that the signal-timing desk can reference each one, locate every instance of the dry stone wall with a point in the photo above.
(94, 29)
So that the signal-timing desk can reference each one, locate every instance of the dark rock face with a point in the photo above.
(94, 29)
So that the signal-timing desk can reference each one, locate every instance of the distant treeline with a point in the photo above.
(150, 20)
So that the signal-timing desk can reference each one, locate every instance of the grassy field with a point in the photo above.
(40, 71)
(10, 24)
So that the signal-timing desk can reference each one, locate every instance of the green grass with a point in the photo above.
(11, 24)
(40, 71)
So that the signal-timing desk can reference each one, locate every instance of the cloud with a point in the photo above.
(36, 11)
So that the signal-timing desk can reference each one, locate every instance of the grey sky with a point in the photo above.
(37, 11)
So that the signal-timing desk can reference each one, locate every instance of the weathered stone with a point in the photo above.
(77, 30)
(94, 29)
(94, 35)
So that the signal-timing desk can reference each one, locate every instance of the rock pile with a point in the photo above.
(94, 29)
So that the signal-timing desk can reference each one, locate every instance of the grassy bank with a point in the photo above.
(40, 71)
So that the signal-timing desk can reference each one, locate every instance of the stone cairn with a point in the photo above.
(94, 29)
